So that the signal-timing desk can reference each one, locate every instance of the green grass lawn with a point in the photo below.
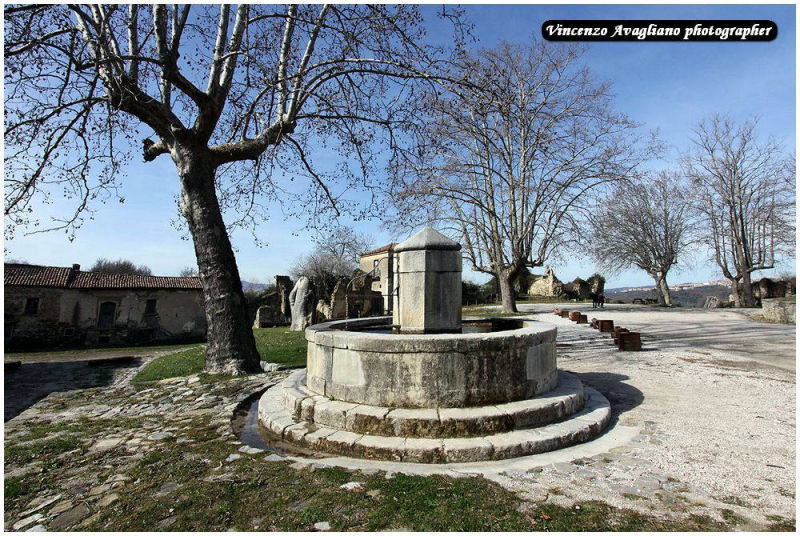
(275, 345)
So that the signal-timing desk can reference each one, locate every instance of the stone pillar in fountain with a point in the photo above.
(428, 278)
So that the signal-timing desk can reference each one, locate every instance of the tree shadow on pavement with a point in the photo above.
(27, 383)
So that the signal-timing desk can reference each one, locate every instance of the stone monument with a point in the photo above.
(428, 277)
(300, 301)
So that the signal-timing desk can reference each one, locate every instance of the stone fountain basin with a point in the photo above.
(515, 361)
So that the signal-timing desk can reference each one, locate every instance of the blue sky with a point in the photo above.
(669, 86)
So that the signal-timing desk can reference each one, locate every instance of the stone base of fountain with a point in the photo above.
(568, 415)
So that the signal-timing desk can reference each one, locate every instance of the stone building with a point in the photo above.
(384, 259)
(48, 306)
(546, 285)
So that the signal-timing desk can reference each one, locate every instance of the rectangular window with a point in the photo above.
(150, 308)
(31, 306)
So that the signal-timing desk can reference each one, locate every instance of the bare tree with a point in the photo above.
(343, 242)
(119, 266)
(236, 96)
(336, 256)
(647, 224)
(745, 193)
(188, 271)
(514, 157)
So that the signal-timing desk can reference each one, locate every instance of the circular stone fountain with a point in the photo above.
(425, 386)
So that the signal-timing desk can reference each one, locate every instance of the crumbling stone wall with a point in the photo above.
(777, 310)
(546, 285)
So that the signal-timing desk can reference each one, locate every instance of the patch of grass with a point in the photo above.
(250, 493)
(173, 365)
(730, 516)
(275, 345)
(736, 501)
(281, 345)
(253, 494)
(781, 524)
(17, 486)
(23, 454)
(598, 516)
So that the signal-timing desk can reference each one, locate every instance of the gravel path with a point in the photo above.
(715, 405)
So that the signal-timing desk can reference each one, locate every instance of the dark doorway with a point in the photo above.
(105, 319)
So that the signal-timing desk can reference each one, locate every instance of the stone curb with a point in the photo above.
(578, 428)
(559, 403)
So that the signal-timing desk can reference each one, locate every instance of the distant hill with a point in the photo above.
(685, 294)
(247, 285)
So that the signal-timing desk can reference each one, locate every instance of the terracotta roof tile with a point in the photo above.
(381, 249)
(27, 275)
(104, 280)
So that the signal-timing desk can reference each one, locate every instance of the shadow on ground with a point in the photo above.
(27, 383)
(622, 396)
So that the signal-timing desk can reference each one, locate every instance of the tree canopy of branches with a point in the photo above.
(235, 95)
(335, 257)
(646, 224)
(745, 194)
(343, 242)
(514, 156)
(119, 266)
(188, 271)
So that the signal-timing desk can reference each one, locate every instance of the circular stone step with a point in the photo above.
(578, 428)
(557, 404)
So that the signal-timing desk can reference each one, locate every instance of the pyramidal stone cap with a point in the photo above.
(428, 239)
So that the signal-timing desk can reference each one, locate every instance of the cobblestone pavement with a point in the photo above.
(38, 376)
(115, 427)
(716, 436)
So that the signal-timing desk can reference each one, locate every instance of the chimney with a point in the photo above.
(76, 267)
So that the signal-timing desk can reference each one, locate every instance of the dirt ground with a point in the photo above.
(712, 394)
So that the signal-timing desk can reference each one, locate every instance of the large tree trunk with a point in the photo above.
(231, 347)
(737, 297)
(746, 291)
(659, 291)
(664, 289)
(507, 292)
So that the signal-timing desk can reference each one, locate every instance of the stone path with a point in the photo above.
(39, 375)
(118, 425)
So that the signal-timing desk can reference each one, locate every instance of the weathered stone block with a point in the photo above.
(379, 447)
(466, 450)
(422, 450)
